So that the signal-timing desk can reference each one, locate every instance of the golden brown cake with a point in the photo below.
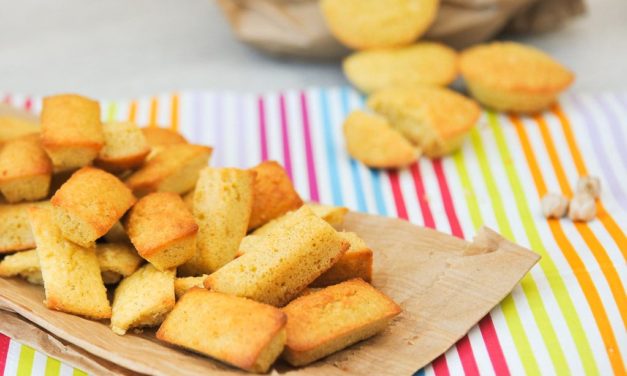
(356, 263)
(15, 230)
(71, 131)
(371, 140)
(424, 63)
(183, 284)
(297, 254)
(331, 319)
(13, 127)
(223, 201)
(274, 194)
(159, 138)
(125, 147)
(365, 24)
(116, 234)
(162, 230)
(244, 333)
(142, 299)
(71, 274)
(25, 169)
(334, 215)
(509, 76)
(436, 120)
(23, 264)
(173, 169)
(89, 204)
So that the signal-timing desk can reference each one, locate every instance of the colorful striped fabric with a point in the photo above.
(568, 316)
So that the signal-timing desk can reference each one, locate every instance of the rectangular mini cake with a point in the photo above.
(15, 230)
(183, 284)
(71, 131)
(162, 229)
(356, 263)
(142, 299)
(125, 147)
(324, 321)
(274, 194)
(25, 169)
(173, 169)
(89, 204)
(294, 257)
(222, 205)
(237, 331)
(71, 273)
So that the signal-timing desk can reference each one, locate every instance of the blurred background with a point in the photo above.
(121, 49)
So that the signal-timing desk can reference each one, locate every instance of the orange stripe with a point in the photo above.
(606, 219)
(611, 275)
(132, 112)
(575, 262)
(174, 121)
(154, 105)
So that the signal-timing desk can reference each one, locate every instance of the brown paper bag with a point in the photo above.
(296, 27)
(444, 285)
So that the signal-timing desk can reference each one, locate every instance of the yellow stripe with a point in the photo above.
(575, 262)
(78, 372)
(569, 313)
(53, 367)
(132, 112)
(174, 122)
(606, 219)
(25, 361)
(528, 284)
(611, 275)
(514, 323)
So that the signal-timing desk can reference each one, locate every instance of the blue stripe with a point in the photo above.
(359, 190)
(336, 190)
(420, 372)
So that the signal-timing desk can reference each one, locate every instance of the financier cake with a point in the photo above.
(273, 192)
(173, 169)
(25, 169)
(435, 119)
(371, 140)
(71, 131)
(223, 201)
(509, 76)
(237, 331)
(366, 24)
(15, 229)
(356, 263)
(16, 126)
(125, 147)
(322, 322)
(424, 63)
(162, 229)
(71, 274)
(89, 204)
(159, 138)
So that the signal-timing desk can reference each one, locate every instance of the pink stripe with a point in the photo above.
(263, 135)
(4, 351)
(311, 168)
(7, 99)
(427, 215)
(287, 157)
(28, 105)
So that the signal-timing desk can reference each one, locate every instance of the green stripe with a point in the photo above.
(113, 110)
(514, 323)
(546, 263)
(528, 284)
(25, 363)
(53, 367)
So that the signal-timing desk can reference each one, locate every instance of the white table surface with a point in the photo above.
(121, 49)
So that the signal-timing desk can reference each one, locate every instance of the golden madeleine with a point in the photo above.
(435, 119)
(424, 63)
(371, 140)
(508, 76)
(364, 24)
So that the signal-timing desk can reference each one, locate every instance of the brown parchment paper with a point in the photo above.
(445, 285)
(297, 28)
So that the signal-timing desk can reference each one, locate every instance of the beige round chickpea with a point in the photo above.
(582, 208)
(554, 205)
(590, 185)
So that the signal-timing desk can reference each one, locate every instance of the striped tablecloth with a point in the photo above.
(567, 316)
